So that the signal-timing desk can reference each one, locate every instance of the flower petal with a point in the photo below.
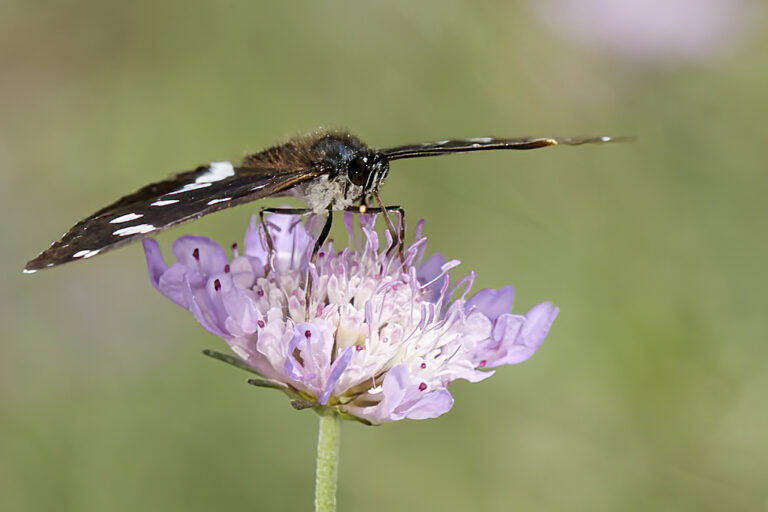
(200, 253)
(155, 264)
(337, 369)
(404, 398)
(539, 320)
(173, 283)
(492, 303)
(431, 405)
(200, 305)
(516, 338)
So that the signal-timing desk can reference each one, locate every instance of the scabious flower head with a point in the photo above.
(656, 32)
(381, 338)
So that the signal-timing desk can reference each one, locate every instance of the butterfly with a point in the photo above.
(328, 170)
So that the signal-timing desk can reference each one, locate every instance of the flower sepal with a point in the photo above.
(300, 404)
(351, 417)
(231, 360)
(324, 410)
(271, 384)
(261, 383)
(298, 400)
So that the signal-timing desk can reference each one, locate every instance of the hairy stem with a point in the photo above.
(327, 462)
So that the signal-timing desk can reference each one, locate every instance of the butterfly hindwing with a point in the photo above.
(182, 197)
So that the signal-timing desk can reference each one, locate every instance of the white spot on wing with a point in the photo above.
(214, 201)
(216, 171)
(165, 202)
(482, 139)
(605, 139)
(134, 230)
(126, 218)
(190, 186)
(86, 253)
(29, 271)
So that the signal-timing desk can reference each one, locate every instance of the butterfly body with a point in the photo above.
(326, 169)
(339, 183)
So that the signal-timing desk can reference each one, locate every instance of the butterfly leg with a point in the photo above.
(398, 236)
(401, 238)
(315, 250)
(395, 237)
(270, 244)
(318, 243)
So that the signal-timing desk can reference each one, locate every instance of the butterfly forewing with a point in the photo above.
(182, 197)
(442, 147)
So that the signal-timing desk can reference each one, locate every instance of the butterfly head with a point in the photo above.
(368, 170)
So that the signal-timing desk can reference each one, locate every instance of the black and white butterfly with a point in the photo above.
(328, 170)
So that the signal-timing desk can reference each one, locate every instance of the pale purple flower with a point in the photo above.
(381, 339)
(655, 31)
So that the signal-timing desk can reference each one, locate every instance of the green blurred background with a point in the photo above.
(649, 394)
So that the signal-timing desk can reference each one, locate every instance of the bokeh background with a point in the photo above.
(649, 394)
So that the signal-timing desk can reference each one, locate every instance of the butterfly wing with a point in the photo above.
(443, 147)
(180, 198)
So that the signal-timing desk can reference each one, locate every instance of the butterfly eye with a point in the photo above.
(357, 171)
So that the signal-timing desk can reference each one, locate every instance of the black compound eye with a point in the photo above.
(357, 171)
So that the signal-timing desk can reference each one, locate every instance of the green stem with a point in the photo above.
(327, 463)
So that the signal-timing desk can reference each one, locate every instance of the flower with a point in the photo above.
(381, 338)
(655, 31)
